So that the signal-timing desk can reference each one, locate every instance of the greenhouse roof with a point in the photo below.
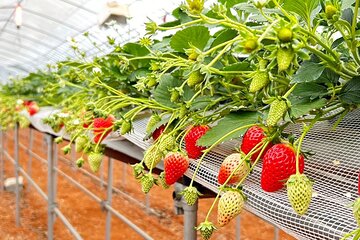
(48, 26)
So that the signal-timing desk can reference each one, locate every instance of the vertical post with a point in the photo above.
(29, 152)
(276, 233)
(238, 234)
(56, 160)
(1, 161)
(51, 187)
(109, 198)
(190, 220)
(16, 157)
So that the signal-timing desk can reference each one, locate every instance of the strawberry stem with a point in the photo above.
(212, 146)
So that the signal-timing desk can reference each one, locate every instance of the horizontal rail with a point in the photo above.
(67, 224)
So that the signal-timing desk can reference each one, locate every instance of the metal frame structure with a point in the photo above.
(50, 198)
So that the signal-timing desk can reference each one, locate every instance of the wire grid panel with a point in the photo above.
(334, 169)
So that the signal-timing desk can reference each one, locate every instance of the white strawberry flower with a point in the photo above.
(63, 115)
(19, 102)
(76, 122)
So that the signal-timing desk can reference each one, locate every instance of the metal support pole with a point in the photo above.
(238, 233)
(190, 220)
(109, 199)
(17, 190)
(276, 233)
(1, 161)
(56, 160)
(29, 168)
(51, 187)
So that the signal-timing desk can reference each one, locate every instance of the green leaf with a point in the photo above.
(162, 94)
(328, 76)
(300, 107)
(308, 72)
(201, 102)
(227, 124)
(241, 66)
(309, 90)
(350, 92)
(135, 49)
(197, 36)
(303, 8)
(224, 36)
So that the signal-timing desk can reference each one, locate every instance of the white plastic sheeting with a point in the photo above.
(49, 24)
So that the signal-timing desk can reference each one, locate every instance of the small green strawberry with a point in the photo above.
(95, 159)
(330, 11)
(153, 120)
(151, 81)
(80, 162)
(259, 81)
(285, 35)
(152, 156)
(174, 96)
(58, 140)
(167, 143)
(299, 191)
(356, 211)
(125, 127)
(162, 182)
(80, 143)
(206, 229)
(284, 58)
(250, 45)
(195, 78)
(277, 110)
(147, 182)
(66, 149)
(230, 205)
(190, 194)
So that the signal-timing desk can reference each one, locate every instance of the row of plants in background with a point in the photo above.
(237, 68)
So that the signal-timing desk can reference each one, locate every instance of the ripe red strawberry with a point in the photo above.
(195, 133)
(279, 164)
(102, 127)
(230, 163)
(175, 165)
(252, 137)
(156, 134)
(32, 108)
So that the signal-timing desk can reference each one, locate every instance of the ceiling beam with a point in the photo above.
(79, 6)
(25, 47)
(52, 19)
(31, 57)
(18, 34)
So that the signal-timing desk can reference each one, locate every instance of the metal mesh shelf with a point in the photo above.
(334, 168)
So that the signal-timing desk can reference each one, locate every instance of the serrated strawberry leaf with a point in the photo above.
(300, 107)
(308, 72)
(229, 123)
(350, 92)
(197, 36)
(224, 36)
(162, 94)
(309, 90)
